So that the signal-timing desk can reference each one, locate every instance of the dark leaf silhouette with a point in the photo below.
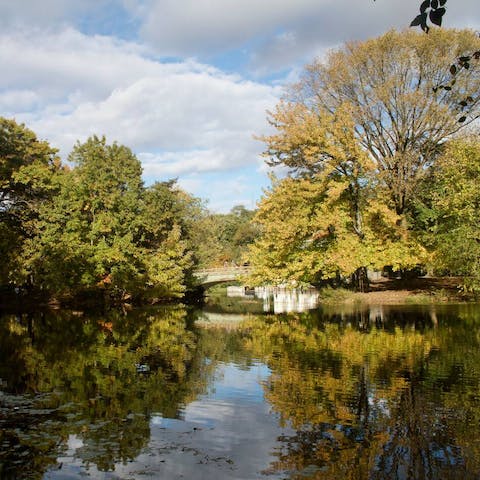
(436, 16)
(419, 20)
(432, 10)
(424, 6)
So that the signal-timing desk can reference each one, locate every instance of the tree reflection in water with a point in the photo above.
(380, 393)
(370, 401)
(65, 375)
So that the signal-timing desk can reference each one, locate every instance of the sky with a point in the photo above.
(186, 84)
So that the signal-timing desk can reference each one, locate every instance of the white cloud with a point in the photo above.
(67, 62)
(186, 118)
(202, 26)
(12, 101)
(283, 32)
(180, 118)
(173, 164)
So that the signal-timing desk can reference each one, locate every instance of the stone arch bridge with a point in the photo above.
(212, 276)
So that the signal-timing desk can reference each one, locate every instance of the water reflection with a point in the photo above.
(377, 393)
(286, 300)
(64, 375)
(279, 299)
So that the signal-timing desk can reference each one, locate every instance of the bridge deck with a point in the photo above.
(211, 276)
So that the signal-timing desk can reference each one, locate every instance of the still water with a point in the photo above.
(367, 393)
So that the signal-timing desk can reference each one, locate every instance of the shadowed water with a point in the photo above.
(379, 393)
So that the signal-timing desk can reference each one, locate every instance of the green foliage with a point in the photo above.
(224, 238)
(27, 169)
(87, 231)
(451, 211)
(96, 228)
(104, 231)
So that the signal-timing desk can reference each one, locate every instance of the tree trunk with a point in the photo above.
(360, 282)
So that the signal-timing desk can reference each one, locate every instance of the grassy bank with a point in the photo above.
(392, 291)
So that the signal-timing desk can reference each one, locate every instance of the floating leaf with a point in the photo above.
(453, 69)
(462, 119)
(434, 4)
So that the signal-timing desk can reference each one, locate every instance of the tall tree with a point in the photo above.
(105, 231)
(87, 233)
(168, 229)
(27, 168)
(333, 219)
(400, 113)
(311, 233)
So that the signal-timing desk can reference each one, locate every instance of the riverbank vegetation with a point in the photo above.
(89, 228)
(382, 154)
(381, 165)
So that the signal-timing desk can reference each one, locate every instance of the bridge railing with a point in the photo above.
(211, 276)
(223, 270)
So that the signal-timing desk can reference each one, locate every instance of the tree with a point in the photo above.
(308, 235)
(105, 231)
(167, 227)
(451, 211)
(398, 119)
(224, 237)
(332, 219)
(27, 168)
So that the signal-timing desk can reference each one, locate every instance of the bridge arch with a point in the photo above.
(213, 276)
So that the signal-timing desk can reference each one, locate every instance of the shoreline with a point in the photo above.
(423, 290)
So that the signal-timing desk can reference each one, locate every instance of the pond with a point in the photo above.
(383, 392)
